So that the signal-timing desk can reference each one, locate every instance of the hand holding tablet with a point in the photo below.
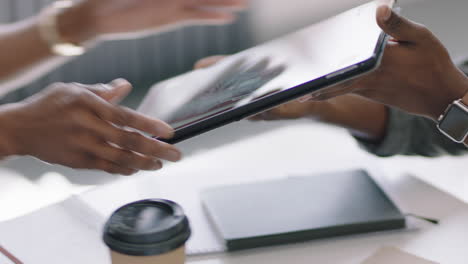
(324, 54)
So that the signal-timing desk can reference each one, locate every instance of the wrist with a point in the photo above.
(456, 90)
(363, 118)
(9, 145)
(326, 112)
(465, 99)
(77, 24)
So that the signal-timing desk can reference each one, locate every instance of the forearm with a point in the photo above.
(7, 141)
(365, 119)
(25, 56)
(412, 135)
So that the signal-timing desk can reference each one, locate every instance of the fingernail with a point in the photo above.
(157, 166)
(107, 87)
(174, 155)
(165, 131)
(386, 12)
(119, 82)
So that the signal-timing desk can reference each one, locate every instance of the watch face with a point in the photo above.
(455, 123)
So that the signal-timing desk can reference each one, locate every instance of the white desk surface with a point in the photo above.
(275, 151)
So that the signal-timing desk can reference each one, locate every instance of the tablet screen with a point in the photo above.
(341, 42)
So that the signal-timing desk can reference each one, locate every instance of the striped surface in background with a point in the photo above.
(142, 62)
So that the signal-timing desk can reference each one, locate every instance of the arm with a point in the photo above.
(24, 55)
(408, 134)
(363, 118)
(6, 144)
(380, 130)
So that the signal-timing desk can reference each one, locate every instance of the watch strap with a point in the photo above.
(464, 101)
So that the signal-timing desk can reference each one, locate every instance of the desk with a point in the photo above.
(305, 148)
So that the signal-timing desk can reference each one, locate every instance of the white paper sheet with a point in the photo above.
(70, 232)
(54, 235)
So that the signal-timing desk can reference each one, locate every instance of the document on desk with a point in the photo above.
(70, 232)
(391, 255)
(62, 233)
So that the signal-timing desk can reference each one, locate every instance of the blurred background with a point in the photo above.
(147, 61)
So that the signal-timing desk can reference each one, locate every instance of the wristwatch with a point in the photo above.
(49, 32)
(454, 122)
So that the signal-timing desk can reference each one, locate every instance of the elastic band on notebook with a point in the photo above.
(10, 256)
(430, 220)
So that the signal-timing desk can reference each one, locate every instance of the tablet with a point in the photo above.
(326, 53)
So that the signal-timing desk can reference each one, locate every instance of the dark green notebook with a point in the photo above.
(300, 209)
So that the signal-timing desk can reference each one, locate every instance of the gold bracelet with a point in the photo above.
(49, 32)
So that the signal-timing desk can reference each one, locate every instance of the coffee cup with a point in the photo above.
(147, 232)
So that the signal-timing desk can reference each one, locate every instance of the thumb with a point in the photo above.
(114, 92)
(398, 27)
(208, 61)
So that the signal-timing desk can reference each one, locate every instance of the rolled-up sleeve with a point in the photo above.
(412, 135)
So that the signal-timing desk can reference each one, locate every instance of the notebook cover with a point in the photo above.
(300, 209)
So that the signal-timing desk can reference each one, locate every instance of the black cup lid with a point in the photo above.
(147, 228)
